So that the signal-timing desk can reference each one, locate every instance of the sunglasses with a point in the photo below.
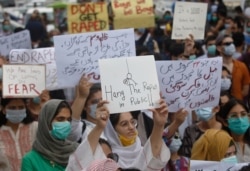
(227, 43)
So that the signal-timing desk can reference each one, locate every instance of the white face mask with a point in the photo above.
(225, 84)
(93, 110)
(232, 160)
(16, 116)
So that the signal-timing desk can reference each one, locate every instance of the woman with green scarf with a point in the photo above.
(51, 150)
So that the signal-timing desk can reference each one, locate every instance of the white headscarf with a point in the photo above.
(128, 154)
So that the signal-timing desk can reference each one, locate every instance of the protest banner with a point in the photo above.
(78, 54)
(189, 18)
(199, 165)
(87, 17)
(129, 83)
(190, 84)
(44, 56)
(20, 40)
(133, 14)
(23, 80)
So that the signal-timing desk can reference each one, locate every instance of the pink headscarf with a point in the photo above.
(103, 165)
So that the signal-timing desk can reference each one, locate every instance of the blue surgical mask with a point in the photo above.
(36, 100)
(192, 57)
(229, 50)
(175, 145)
(211, 50)
(6, 28)
(205, 114)
(15, 116)
(92, 110)
(232, 160)
(167, 17)
(214, 18)
(225, 84)
(238, 126)
(248, 29)
(61, 130)
(226, 26)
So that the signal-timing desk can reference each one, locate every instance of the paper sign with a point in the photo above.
(136, 13)
(23, 80)
(129, 83)
(38, 56)
(189, 18)
(87, 17)
(20, 40)
(198, 165)
(190, 84)
(78, 54)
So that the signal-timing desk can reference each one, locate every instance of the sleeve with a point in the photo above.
(26, 164)
(76, 130)
(246, 77)
(83, 156)
(152, 163)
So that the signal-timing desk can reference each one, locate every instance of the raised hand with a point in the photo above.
(160, 114)
(82, 89)
(102, 114)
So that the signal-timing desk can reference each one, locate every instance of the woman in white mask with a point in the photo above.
(17, 130)
(226, 79)
(215, 145)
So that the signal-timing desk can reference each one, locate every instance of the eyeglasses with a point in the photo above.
(113, 156)
(227, 43)
(238, 115)
(126, 124)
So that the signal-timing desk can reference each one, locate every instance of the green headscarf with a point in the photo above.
(52, 149)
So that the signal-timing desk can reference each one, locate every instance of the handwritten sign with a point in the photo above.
(190, 84)
(87, 17)
(136, 13)
(78, 54)
(20, 40)
(198, 165)
(44, 56)
(129, 83)
(23, 80)
(189, 18)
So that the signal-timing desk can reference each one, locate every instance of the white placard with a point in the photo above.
(23, 80)
(20, 40)
(129, 83)
(190, 84)
(78, 54)
(189, 18)
(44, 56)
(199, 165)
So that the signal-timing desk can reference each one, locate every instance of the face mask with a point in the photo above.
(6, 28)
(226, 26)
(36, 100)
(127, 141)
(238, 125)
(214, 18)
(61, 130)
(168, 17)
(192, 57)
(229, 50)
(211, 50)
(15, 116)
(232, 160)
(204, 114)
(248, 29)
(92, 110)
(225, 84)
(175, 145)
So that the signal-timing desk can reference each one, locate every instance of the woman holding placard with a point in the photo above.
(17, 130)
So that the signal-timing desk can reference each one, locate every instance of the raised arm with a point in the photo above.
(82, 92)
(102, 116)
(160, 116)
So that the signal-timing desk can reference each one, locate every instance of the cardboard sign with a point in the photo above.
(44, 56)
(189, 18)
(129, 83)
(136, 13)
(87, 17)
(23, 80)
(78, 54)
(190, 84)
(20, 40)
(199, 165)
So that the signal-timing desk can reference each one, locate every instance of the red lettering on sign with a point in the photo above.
(144, 10)
(88, 26)
(118, 4)
(85, 8)
(22, 89)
